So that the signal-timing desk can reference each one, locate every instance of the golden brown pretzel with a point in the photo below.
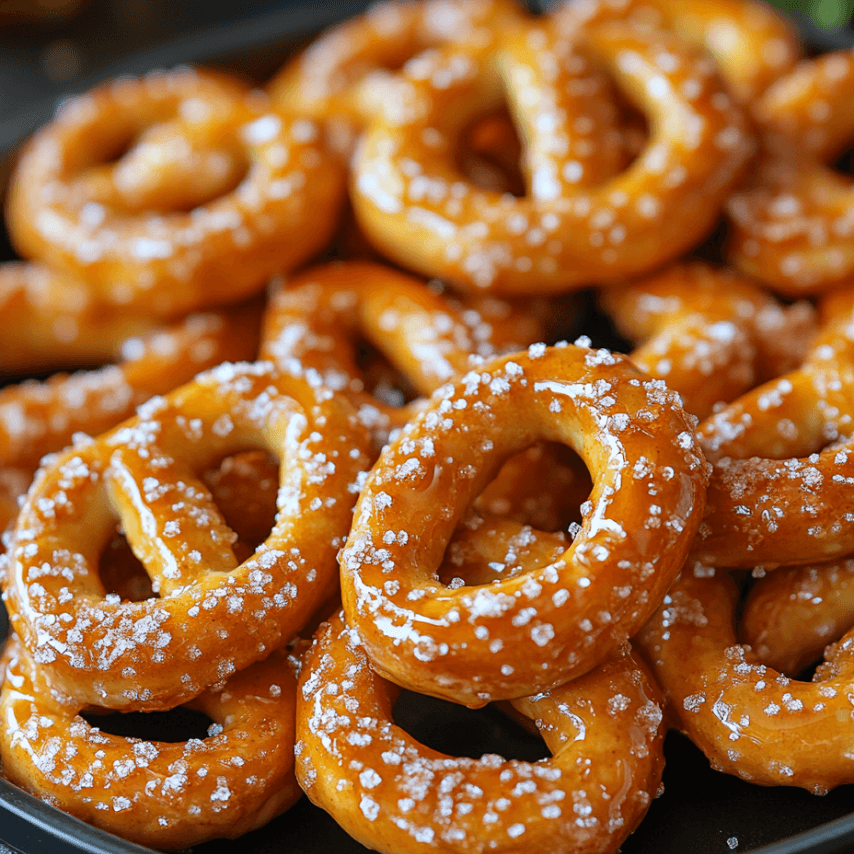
(213, 615)
(38, 418)
(793, 613)
(397, 796)
(791, 226)
(317, 317)
(336, 78)
(166, 794)
(709, 333)
(413, 202)
(751, 41)
(746, 717)
(782, 489)
(51, 321)
(556, 621)
(216, 193)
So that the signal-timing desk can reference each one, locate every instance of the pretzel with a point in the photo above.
(167, 794)
(335, 78)
(38, 418)
(395, 795)
(749, 720)
(556, 621)
(13, 484)
(316, 318)
(791, 226)
(752, 43)
(213, 615)
(783, 483)
(791, 614)
(413, 203)
(708, 332)
(215, 194)
(50, 321)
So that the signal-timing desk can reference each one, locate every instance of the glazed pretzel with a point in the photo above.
(38, 418)
(213, 615)
(335, 78)
(316, 318)
(749, 720)
(782, 489)
(792, 226)
(215, 194)
(50, 322)
(751, 42)
(709, 333)
(793, 613)
(167, 794)
(556, 621)
(395, 795)
(413, 203)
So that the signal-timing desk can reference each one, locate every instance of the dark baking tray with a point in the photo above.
(701, 811)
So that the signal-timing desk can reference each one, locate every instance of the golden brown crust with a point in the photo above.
(214, 616)
(216, 193)
(164, 794)
(555, 622)
(398, 796)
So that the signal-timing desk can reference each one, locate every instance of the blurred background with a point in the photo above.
(48, 45)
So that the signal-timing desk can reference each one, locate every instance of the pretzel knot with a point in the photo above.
(791, 226)
(395, 795)
(752, 43)
(749, 719)
(335, 77)
(319, 318)
(212, 616)
(214, 194)
(413, 202)
(793, 613)
(557, 621)
(783, 482)
(167, 794)
(709, 333)
(38, 418)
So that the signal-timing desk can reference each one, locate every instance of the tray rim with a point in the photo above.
(210, 46)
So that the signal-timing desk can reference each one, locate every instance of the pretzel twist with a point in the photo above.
(395, 795)
(337, 77)
(749, 720)
(752, 42)
(783, 483)
(791, 227)
(51, 321)
(793, 613)
(709, 333)
(170, 795)
(38, 418)
(215, 194)
(556, 621)
(317, 318)
(213, 615)
(413, 203)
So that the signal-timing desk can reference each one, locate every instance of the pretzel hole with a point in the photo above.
(544, 486)
(490, 154)
(459, 731)
(122, 573)
(844, 163)
(174, 726)
(381, 378)
(244, 488)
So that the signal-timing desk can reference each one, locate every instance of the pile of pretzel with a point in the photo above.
(336, 456)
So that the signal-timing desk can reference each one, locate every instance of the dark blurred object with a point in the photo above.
(39, 10)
